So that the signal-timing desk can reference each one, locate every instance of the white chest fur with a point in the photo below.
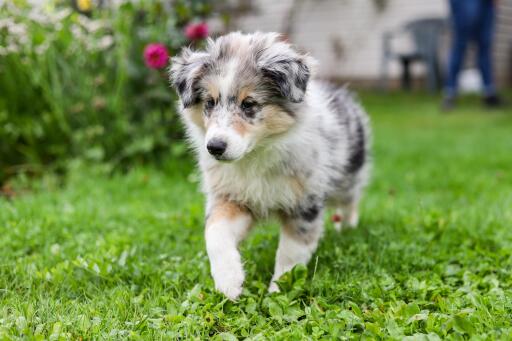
(261, 190)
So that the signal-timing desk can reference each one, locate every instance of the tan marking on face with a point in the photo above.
(240, 126)
(276, 120)
(195, 114)
(213, 90)
(226, 210)
(244, 93)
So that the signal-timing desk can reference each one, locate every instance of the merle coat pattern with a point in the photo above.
(270, 141)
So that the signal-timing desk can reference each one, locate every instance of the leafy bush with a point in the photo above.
(76, 86)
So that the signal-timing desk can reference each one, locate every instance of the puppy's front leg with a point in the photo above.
(299, 238)
(226, 225)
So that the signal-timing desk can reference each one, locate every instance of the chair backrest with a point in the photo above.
(426, 33)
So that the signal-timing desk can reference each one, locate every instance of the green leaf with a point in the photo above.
(463, 325)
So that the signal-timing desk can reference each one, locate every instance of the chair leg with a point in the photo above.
(406, 74)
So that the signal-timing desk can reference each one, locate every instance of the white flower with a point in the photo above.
(90, 25)
(11, 48)
(7, 22)
(55, 249)
(77, 32)
(62, 14)
(105, 42)
(35, 15)
(42, 48)
(17, 29)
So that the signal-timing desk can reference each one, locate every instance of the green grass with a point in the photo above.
(123, 257)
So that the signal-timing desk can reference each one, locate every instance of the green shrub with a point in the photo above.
(76, 86)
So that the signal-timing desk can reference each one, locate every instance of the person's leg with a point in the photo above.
(485, 42)
(460, 38)
(465, 14)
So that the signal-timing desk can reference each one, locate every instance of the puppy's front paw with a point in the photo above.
(229, 282)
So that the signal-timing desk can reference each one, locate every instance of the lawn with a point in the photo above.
(93, 256)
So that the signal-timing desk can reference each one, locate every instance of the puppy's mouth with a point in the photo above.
(247, 154)
(222, 158)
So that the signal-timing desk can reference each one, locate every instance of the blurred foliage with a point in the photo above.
(76, 86)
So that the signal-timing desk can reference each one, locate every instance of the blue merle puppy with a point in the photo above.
(270, 141)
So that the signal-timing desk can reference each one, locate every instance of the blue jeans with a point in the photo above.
(472, 21)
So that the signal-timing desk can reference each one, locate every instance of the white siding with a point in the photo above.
(345, 35)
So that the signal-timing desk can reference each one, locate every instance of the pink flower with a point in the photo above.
(196, 31)
(156, 55)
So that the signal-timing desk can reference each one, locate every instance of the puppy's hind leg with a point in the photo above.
(298, 241)
(352, 213)
(346, 215)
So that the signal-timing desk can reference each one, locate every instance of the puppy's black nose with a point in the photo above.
(216, 147)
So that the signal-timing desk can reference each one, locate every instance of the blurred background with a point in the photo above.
(349, 36)
(85, 81)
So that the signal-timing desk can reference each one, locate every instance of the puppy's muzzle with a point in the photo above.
(216, 147)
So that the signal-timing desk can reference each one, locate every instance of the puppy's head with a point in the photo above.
(241, 91)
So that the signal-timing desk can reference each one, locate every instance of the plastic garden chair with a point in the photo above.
(425, 34)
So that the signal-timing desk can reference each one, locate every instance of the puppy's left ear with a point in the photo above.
(289, 74)
(186, 71)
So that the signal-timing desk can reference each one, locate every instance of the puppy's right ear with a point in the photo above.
(186, 71)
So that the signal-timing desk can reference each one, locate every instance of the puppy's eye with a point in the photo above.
(249, 107)
(247, 104)
(210, 103)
